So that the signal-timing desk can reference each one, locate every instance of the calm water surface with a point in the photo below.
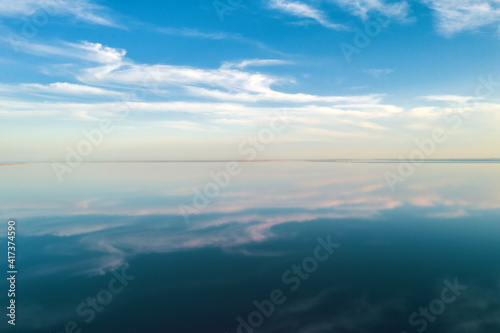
(294, 247)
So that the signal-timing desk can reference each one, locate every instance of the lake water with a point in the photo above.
(276, 247)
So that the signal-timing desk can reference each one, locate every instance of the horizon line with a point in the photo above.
(307, 160)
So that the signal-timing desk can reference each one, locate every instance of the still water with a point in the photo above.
(276, 247)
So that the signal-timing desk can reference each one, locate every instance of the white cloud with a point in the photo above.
(428, 113)
(454, 16)
(230, 82)
(66, 88)
(362, 8)
(276, 96)
(308, 115)
(82, 10)
(302, 10)
(449, 98)
(255, 63)
(93, 52)
(128, 73)
(99, 53)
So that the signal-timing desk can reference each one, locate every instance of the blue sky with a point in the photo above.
(198, 78)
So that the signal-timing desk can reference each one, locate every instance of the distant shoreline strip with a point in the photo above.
(338, 161)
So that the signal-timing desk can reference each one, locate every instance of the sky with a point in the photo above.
(204, 79)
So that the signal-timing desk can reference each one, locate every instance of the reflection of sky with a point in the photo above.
(397, 247)
(134, 190)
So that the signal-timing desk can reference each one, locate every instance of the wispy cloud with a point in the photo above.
(98, 53)
(195, 33)
(454, 16)
(93, 52)
(255, 63)
(230, 82)
(363, 8)
(449, 98)
(377, 72)
(187, 32)
(302, 10)
(65, 88)
(83, 10)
